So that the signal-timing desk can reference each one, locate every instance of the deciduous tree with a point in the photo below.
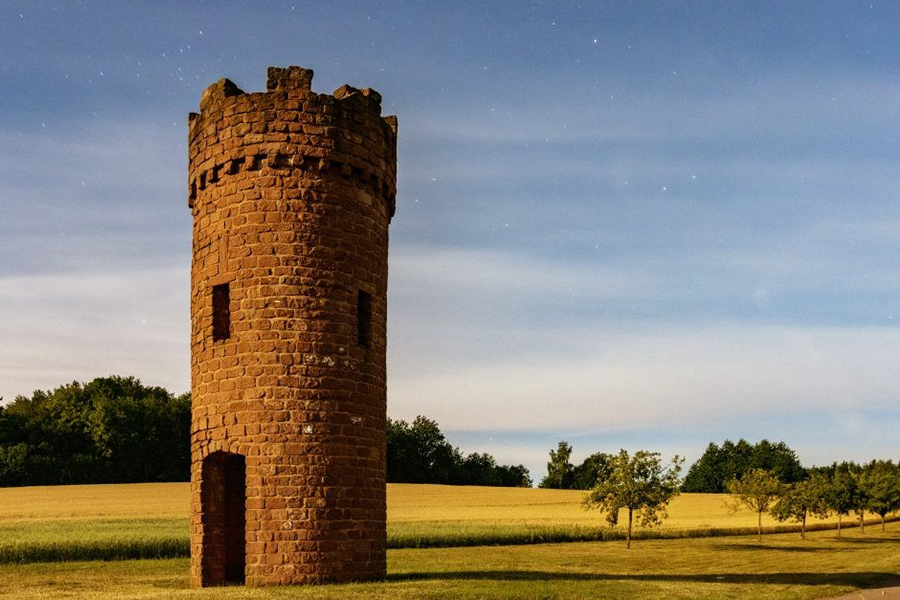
(758, 490)
(640, 484)
(559, 470)
(881, 481)
(840, 491)
(799, 500)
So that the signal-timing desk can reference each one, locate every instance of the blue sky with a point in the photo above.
(624, 224)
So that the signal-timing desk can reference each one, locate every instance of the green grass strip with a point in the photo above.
(404, 536)
(30, 552)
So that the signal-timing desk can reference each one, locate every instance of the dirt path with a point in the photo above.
(891, 593)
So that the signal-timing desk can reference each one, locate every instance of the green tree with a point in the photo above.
(596, 467)
(639, 484)
(881, 481)
(840, 491)
(112, 429)
(712, 472)
(515, 476)
(799, 500)
(419, 453)
(861, 498)
(758, 490)
(560, 471)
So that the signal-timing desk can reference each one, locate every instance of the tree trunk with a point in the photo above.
(882, 523)
(628, 536)
(862, 521)
(803, 528)
(759, 526)
(840, 516)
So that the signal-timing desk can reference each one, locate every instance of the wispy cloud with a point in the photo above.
(668, 377)
(62, 327)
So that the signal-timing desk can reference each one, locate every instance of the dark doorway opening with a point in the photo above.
(223, 493)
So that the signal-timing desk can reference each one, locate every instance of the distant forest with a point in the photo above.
(116, 430)
(712, 473)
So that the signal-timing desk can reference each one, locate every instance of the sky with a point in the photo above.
(640, 225)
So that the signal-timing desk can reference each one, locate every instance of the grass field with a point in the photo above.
(82, 524)
(150, 520)
(783, 567)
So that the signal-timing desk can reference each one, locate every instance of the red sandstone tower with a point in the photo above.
(291, 194)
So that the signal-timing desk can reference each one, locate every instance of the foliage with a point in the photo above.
(800, 500)
(758, 489)
(712, 472)
(596, 467)
(639, 484)
(881, 481)
(113, 429)
(563, 475)
(841, 489)
(560, 471)
(419, 453)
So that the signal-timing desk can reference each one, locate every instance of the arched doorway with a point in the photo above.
(223, 493)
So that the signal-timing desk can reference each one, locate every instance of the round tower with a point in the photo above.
(291, 194)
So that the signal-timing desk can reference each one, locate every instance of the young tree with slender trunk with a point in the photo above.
(840, 492)
(881, 481)
(799, 500)
(758, 489)
(639, 484)
(861, 499)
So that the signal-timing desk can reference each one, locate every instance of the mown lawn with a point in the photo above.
(782, 567)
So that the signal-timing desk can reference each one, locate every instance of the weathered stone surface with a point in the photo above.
(291, 194)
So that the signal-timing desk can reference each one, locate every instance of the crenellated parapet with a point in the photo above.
(291, 127)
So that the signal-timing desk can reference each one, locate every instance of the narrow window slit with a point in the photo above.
(221, 312)
(364, 319)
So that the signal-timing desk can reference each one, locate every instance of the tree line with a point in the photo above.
(117, 430)
(110, 430)
(417, 452)
(711, 473)
(642, 486)
(839, 490)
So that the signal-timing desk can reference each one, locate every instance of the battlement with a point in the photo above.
(290, 80)
(223, 88)
(291, 129)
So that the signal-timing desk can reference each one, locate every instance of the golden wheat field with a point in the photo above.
(407, 503)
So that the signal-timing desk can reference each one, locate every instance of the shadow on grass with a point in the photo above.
(788, 549)
(867, 540)
(818, 545)
(862, 580)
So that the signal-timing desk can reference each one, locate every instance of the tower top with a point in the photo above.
(288, 80)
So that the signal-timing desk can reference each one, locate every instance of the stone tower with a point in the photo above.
(291, 194)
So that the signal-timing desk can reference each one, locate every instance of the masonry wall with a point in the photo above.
(291, 194)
